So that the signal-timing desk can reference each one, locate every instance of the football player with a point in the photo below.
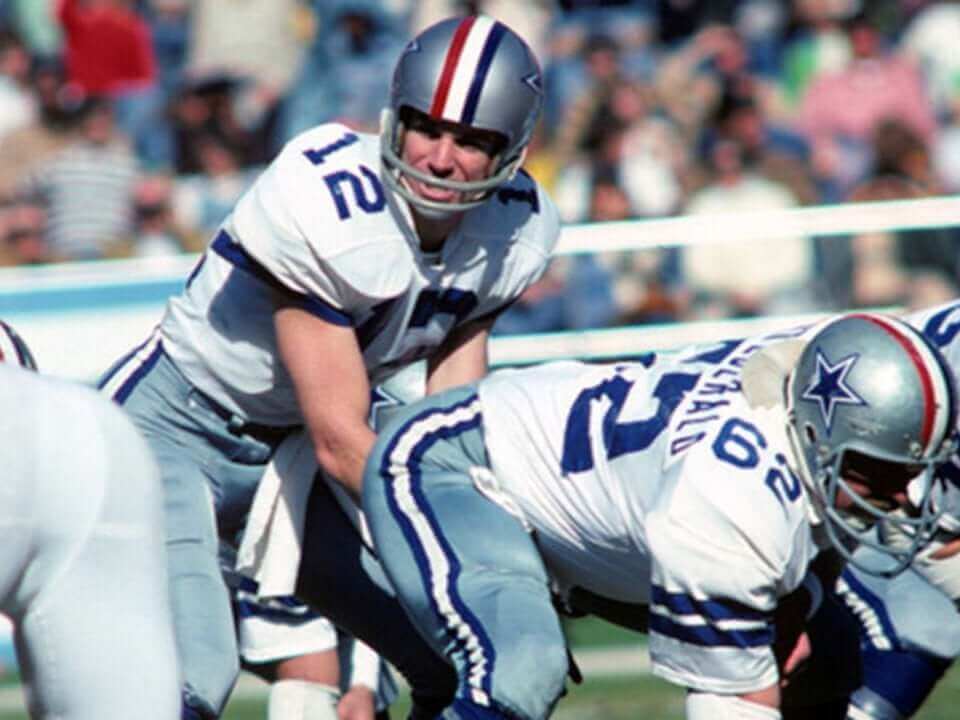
(286, 642)
(83, 575)
(351, 256)
(702, 484)
(909, 624)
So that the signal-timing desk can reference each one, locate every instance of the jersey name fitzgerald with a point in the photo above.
(319, 230)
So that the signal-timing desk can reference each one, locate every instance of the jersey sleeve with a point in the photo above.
(521, 227)
(722, 546)
(295, 226)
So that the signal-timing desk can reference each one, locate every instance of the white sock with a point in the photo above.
(302, 700)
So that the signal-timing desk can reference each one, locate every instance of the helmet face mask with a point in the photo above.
(473, 72)
(871, 412)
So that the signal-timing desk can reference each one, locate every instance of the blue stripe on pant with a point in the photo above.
(464, 568)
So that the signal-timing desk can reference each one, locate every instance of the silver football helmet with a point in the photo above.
(13, 349)
(474, 71)
(872, 402)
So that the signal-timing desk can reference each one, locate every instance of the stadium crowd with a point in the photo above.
(129, 128)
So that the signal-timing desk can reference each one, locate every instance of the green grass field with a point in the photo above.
(599, 697)
(641, 697)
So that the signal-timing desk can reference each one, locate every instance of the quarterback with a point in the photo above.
(352, 256)
(701, 484)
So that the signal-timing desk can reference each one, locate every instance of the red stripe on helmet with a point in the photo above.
(926, 381)
(450, 66)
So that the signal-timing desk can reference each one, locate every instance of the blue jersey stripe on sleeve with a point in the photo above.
(711, 636)
(708, 622)
(237, 256)
(711, 610)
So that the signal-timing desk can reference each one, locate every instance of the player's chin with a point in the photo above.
(433, 193)
(438, 195)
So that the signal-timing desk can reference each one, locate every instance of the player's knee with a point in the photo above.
(302, 700)
(529, 676)
(209, 674)
(867, 705)
(899, 679)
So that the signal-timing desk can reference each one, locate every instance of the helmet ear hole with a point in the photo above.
(810, 433)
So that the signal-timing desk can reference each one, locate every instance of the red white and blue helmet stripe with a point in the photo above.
(465, 69)
(940, 412)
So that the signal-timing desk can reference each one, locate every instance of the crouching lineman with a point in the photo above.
(83, 572)
(701, 484)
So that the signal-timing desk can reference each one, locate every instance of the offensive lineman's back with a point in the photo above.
(82, 572)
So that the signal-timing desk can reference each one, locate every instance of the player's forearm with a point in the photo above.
(462, 360)
(342, 453)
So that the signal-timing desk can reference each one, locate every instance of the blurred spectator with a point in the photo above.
(644, 282)
(22, 226)
(680, 20)
(693, 79)
(616, 128)
(17, 104)
(776, 151)
(258, 45)
(342, 78)
(202, 200)
(203, 108)
(108, 52)
(841, 110)
(584, 38)
(169, 22)
(750, 277)
(156, 233)
(889, 268)
(931, 38)
(35, 21)
(946, 148)
(87, 188)
(24, 149)
(816, 44)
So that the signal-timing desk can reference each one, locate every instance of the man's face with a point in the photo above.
(449, 151)
(880, 483)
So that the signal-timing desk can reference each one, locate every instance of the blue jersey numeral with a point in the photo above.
(618, 438)
(336, 182)
(452, 301)
(737, 443)
(318, 156)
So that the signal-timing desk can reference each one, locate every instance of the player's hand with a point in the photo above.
(357, 704)
(798, 655)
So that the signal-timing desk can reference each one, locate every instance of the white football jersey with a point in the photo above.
(656, 482)
(319, 229)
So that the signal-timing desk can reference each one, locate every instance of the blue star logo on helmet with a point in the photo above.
(828, 388)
